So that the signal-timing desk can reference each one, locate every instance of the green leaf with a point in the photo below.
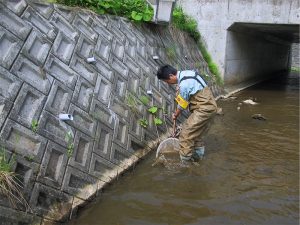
(153, 109)
(144, 99)
(136, 16)
(143, 123)
(157, 121)
(147, 16)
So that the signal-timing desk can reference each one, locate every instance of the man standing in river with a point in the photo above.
(195, 94)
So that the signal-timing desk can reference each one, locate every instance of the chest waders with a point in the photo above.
(203, 107)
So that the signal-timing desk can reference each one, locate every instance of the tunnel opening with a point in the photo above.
(255, 52)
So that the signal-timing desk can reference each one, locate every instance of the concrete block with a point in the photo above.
(26, 171)
(61, 71)
(28, 106)
(135, 144)
(118, 154)
(10, 46)
(66, 11)
(83, 94)
(86, 16)
(10, 216)
(121, 132)
(141, 49)
(32, 74)
(133, 84)
(85, 47)
(9, 84)
(103, 48)
(45, 9)
(82, 121)
(36, 48)
(53, 129)
(120, 108)
(140, 34)
(101, 113)
(100, 19)
(117, 34)
(39, 22)
(59, 98)
(103, 90)
(5, 106)
(13, 23)
(144, 65)
(103, 142)
(64, 26)
(144, 83)
(83, 147)
(103, 32)
(104, 69)
(130, 49)
(50, 203)
(79, 184)
(128, 30)
(16, 7)
(53, 165)
(102, 168)
(114, 22)
(132, 65)
(23, 141)
(63, 47)
(83, 27)
(120, 87)
(135, 128)
(85, 70)
(118, 48)
(120, 67)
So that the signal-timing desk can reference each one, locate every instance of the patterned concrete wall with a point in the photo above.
(44, 72)
(295, 55)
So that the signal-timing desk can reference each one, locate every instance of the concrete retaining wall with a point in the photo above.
(44, 72)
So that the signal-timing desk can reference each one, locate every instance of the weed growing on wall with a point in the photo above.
(189, 25)
(10, 185)
(136, 10)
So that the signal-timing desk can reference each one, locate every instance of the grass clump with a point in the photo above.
(10, 185)
(136, 10)
(185, 23)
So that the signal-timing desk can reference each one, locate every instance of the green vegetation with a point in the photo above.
(189, 25)
(144, 99)
(70, 145)
(153, 110)
(171, 53)
(136, 10)
(132, 103)
(143, 123)
(10, 185)
(295, 69)
(34, 125)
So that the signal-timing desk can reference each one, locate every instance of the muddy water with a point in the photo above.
(250, 174)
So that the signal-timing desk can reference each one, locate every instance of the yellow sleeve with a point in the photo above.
(181, 102)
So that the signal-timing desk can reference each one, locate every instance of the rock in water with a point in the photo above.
(250, 102)
(259, 117)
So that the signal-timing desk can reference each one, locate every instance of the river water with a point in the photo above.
(250, 174)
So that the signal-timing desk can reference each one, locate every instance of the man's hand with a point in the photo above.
(176, 114)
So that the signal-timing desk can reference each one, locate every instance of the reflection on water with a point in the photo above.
(250, 174)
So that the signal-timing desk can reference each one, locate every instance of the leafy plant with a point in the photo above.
(29, 158)
(34, 125)
(70, 145)
(143, 123)
(136, 10)
(153, 109)
(157, 121)
(144, 99)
